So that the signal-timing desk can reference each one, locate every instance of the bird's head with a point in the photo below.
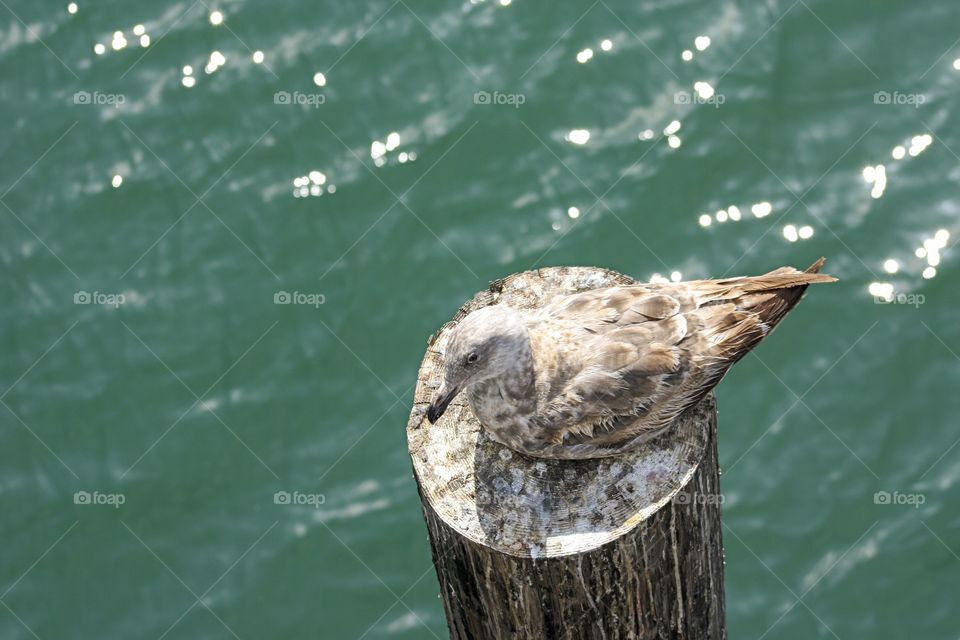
(484, 345)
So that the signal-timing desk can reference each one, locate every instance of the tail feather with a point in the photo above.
(743, 311)
(774, 303)
(784, 277)
(816, 266)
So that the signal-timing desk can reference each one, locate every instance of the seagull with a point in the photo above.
(597, 373)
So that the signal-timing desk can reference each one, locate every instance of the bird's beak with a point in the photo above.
(440, 402)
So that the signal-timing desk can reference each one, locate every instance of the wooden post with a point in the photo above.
(622, 547)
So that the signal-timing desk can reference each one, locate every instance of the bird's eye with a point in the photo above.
(473, 357)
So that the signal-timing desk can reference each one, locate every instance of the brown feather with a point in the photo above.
(656, 307)
(657, 360)
(657, 349)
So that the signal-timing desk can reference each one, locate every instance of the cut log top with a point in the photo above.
(534, 507)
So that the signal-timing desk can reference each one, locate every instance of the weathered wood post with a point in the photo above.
(623, 547)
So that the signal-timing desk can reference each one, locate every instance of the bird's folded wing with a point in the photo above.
(656, 349)
(632, 344)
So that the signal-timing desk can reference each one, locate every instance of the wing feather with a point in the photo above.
(651, 351)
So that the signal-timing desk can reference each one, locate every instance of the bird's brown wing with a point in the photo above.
(650, 351)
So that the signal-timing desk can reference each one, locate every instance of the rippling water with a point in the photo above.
(174, 172)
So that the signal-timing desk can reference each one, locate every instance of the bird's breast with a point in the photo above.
(503, 409)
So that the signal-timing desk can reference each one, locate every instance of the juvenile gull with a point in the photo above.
(596, 373)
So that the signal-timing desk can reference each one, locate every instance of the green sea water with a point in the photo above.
(206, 369)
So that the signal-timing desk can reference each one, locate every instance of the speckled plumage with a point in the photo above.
(607, 369)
